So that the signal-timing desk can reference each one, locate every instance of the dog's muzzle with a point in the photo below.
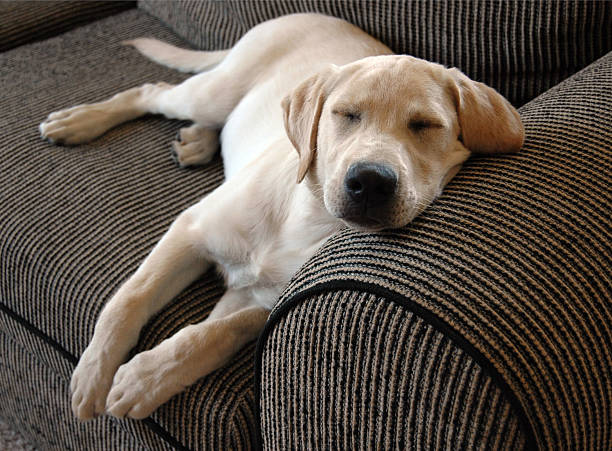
(369, 189)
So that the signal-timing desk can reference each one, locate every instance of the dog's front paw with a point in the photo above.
(75, 125)
(91, 381)
(142, 385)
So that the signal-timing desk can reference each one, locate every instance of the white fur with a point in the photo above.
(180, 59)
(259, 227)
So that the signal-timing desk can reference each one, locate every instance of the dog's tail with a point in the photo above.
(180, 59)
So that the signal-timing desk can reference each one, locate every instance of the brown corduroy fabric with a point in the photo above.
(27, 21)
(521, 48)
(350, 370)
(513, 262)
(29, 389)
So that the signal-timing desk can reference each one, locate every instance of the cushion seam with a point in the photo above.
(149, 422)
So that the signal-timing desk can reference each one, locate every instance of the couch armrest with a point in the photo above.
(22, 22)
(486, 323)
(350, 369)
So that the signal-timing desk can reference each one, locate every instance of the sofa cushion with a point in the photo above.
(75, 222)
(29, 21)
(33, 397)
(519, 48)
(512, 263)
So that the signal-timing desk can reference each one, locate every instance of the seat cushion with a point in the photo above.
(75, 222)
(519, 48)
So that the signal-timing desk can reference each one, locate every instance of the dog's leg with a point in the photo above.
(152, 377)
(174, 263)
(206, 98)
(83, 123)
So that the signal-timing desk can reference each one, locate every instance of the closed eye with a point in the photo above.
(421, 125)
(351, 116)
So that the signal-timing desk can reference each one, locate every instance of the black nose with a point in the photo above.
(370, 184)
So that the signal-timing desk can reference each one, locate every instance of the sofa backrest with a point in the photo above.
(521, 48)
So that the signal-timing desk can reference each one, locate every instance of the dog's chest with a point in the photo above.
(263, 273)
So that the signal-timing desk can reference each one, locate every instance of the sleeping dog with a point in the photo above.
(371, 138)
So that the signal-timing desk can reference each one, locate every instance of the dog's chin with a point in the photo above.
(363, 225)
(371, 223)
(367, 224)
(375, 220)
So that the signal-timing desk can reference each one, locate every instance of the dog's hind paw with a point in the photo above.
(195, 146)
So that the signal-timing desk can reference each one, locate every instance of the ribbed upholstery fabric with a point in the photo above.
(351, 370)
(38, 392)
(521, 48)
(513, 263)
(28, 21)
(76, 222)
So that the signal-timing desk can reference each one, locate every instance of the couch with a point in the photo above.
(486, 323)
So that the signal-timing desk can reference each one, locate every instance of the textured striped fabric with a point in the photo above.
(37, 392)
(521, 48)
(11, 438)
(354, 371)
(513, 263)
(76, 222)
(28, 21)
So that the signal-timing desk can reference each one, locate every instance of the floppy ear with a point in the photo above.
(302, 110)
(489, 123)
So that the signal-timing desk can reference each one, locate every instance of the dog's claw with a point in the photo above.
(174, 155)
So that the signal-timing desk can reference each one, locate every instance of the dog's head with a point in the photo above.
(378, 139)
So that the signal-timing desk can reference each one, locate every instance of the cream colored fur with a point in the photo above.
(357, 102)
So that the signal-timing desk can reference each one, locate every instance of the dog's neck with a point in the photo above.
(313, 218)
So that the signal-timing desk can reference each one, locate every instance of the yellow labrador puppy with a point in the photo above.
(370, 137)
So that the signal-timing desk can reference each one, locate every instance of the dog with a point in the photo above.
(370, 137)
